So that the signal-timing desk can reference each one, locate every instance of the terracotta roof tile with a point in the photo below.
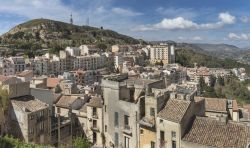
(95, 102)
(213, 133)
(66, 101)
(174, 110)
(28, 103)
(216, 104)
(53, 82)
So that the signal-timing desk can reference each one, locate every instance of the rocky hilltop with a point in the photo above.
(48, 33)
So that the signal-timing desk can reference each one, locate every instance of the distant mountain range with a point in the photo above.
(218, 50)
(46, 33)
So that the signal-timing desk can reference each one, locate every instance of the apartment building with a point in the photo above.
(81, 77)
(153, 104)
(89, 62)
(73, 51)
(162, 53)
(94, 127)
(6, 67)
(123, 108)
(30, 120)
(89, 49)
(19, 63)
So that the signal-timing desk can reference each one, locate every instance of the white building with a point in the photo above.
(88, 49)
(19, 63)
(7, 68)
(164, 53)
(73, 51)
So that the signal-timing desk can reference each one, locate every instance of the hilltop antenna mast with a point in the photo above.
(71, 19)
(87, 21)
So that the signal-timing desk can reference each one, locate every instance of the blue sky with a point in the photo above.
(199, 21)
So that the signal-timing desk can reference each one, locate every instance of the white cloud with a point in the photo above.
(242, 36)
(182, 23)
(125, 12)
(227, 18)
(197, 38)
(190, 39)
(176, 23)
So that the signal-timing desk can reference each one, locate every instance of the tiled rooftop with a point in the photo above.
(174, 110)
(66, 100)
(53, 82)
(28, 103)
(95, 102)
(213, 133)
(216, 104)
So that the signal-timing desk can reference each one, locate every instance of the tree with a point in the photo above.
(213, 81)
(202, 84)
(81, 142)
(221, 81)
(102, 46)
(4, 98)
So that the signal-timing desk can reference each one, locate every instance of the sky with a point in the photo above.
(196, 21)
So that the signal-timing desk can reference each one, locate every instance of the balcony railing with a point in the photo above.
(95, 116)
(95, 128)
(127, 129)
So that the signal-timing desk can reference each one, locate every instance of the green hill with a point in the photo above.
(46, 33)
(188, 57)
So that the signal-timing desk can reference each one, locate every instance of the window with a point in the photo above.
(105, 108)
(94, 123)
(116, 140)
(173, 144)
(31, 130)
(42, 126)
(126, 120)
(141, 131)
(31, 117)
(94, 111)
(116, 119)
(152, 111)
(162, 136)
(94, 137)
(106, 128)
(173, 133)
(126, 142)
(58, 110)
(152, 144)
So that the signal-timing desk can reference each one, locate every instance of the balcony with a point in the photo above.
(127, 130)
(95, 128)
(95, 116)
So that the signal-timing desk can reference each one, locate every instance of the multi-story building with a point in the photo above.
(81, 77)
(73, 51)
(30, 120)
(89, 49)
(94, 125)
(172, 122)
(123, 108)
(118, 61)
(89, 62)
(153, 104)
(7, 67)
(19, 63)
(162, 53)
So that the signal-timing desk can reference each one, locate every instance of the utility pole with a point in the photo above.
(71, 19)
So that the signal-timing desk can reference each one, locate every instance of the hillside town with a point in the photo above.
(132, 96)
